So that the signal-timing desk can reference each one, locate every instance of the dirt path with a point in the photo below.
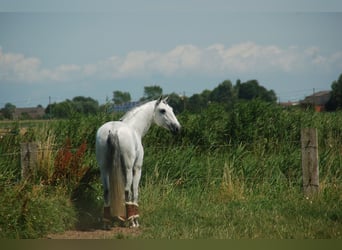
(114, 233)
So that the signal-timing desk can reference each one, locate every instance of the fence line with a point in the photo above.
(92, 149)
(309, 149)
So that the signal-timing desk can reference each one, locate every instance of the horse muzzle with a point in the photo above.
(174, 128)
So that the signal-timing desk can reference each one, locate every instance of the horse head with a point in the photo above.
(164, 116)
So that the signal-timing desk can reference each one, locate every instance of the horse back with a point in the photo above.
(128, 140)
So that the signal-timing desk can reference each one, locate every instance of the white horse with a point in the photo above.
(119, 153)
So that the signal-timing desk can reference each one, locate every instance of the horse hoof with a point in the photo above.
(134, 223)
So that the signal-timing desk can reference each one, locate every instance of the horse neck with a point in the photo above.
(141, 118)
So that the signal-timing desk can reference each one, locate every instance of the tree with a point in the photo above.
(79, 104)
(197, 102)
(335, 101)
(152, 92)
(85, 105)
(252, 90)
(177, 102)
(194, 103)
(63, 109)
(120, 97)
(8, 110)
(223, 93)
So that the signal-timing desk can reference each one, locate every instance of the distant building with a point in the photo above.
(123, 107)
(288, 104)
(317, 100)
(29, 113)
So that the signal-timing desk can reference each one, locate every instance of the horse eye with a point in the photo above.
(162, 111)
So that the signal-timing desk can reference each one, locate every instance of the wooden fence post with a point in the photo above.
(28, 153)
(309, 142)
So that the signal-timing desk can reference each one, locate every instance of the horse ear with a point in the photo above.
(166, 99)
(159, 100)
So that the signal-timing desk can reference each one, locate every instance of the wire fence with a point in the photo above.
(57, 147)
(39, 148)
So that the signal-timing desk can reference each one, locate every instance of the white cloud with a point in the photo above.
(241, 58)
(136, 62)
(314, 56)
(16, 66)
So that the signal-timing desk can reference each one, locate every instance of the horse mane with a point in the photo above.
(133, 111)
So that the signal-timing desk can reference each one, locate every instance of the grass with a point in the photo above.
(30, 211)
(239, 213)
(222, 179)
(233, 206)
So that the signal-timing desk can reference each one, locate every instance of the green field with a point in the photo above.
(230, 174)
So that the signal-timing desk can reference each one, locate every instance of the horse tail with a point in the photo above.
(116, 177)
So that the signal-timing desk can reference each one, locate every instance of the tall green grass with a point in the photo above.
(236, 211)
(229, 174)
(31, 211)
(238, 195)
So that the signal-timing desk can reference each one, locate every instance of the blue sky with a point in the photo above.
(67, 48)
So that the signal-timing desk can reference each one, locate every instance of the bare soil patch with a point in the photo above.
(114, 233)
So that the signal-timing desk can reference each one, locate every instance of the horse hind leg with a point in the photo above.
(108, 220)
(130, 208)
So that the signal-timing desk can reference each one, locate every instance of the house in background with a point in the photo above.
(29, 113)
(288, 104)
(317, 100)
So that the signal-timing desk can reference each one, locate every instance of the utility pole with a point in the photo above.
(50, 113)
(313, 99)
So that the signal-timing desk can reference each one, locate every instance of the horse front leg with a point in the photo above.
(136, 180)
(132, 204)
(130, 208)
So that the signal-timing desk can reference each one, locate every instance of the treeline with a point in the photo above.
(226, 94)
